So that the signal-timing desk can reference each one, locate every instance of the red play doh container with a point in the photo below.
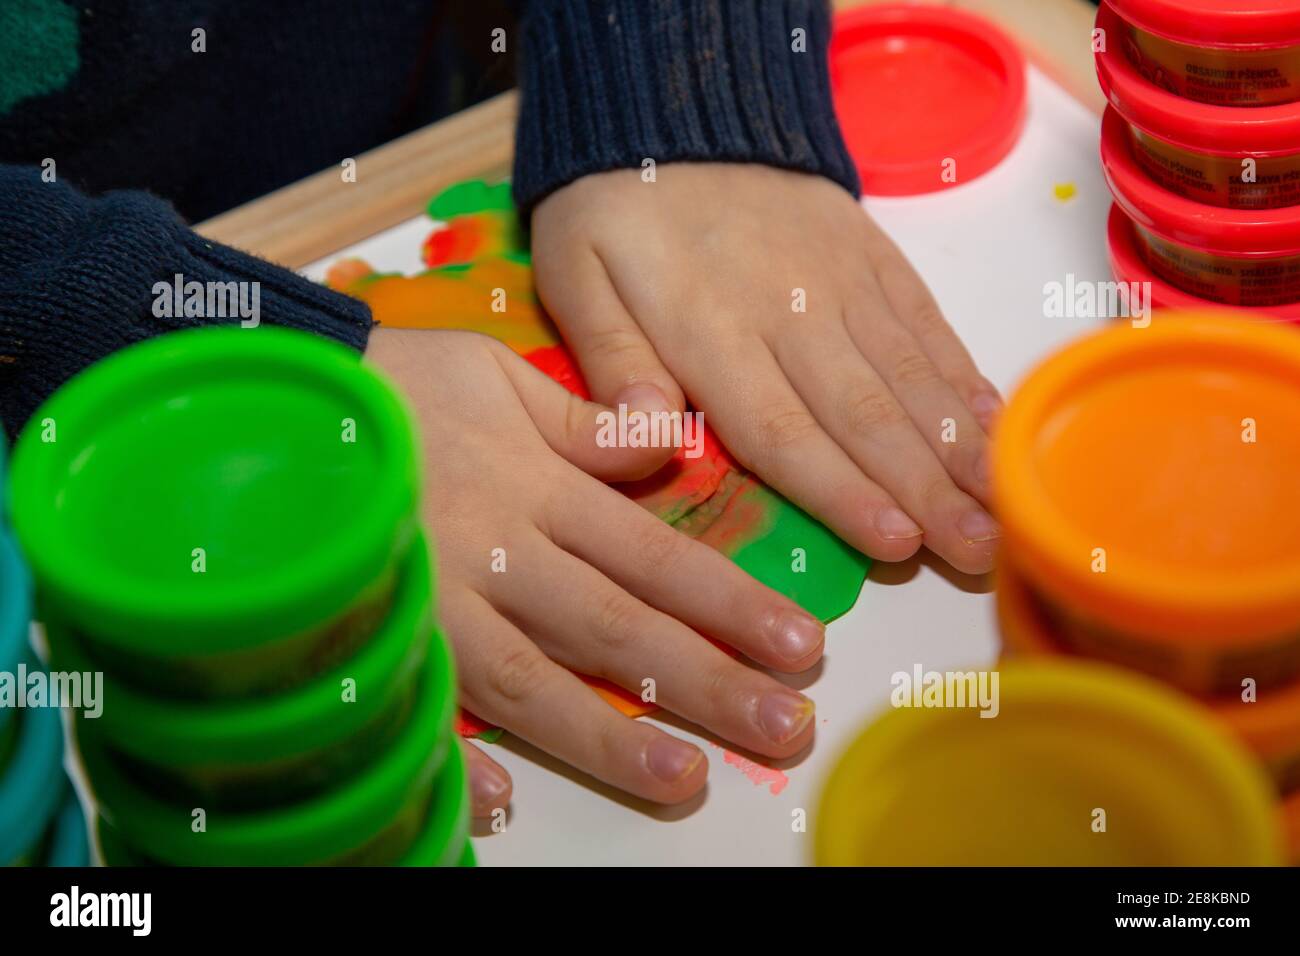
(1128, 266)
(1226, 52)
(1237, 257)
(1238, 158)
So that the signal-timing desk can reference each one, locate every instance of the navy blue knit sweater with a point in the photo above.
(145, 129)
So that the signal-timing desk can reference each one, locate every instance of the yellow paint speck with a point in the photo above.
(1064, 192)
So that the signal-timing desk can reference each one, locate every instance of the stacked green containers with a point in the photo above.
(41, 822)
(224, 521)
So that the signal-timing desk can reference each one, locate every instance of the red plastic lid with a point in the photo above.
(1127, 264)
(1217, 23)
(1203, 127)
(1213, 229)
(916, 86)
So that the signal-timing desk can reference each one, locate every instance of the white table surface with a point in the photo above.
(986, 249)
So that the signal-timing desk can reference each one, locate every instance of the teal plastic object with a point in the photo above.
(15, 610)
(32, 781)
(69, 843)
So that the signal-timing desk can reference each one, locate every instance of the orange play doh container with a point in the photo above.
(1291, 824)
(1269, 727)
(1147, 481)
(1220, 155)
(1228, 52)
(1248, 257)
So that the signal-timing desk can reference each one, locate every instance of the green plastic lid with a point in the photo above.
(323, 828)
(183, 734)
(288, 461)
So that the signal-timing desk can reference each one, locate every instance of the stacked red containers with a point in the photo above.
(1201, 148)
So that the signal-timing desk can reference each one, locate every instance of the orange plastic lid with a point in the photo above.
(1133, 440)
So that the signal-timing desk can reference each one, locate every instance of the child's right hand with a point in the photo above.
(592, 582)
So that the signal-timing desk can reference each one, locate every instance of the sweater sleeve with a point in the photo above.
(77, 278)
(608, 83)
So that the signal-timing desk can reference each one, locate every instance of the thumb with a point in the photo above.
(588, 434)
(618, 362)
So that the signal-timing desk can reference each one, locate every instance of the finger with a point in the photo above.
(585, 433)
(685, 579)
(489, 783)
(766, 425)
(864, 416)
(940, 415)
(617, 360)
(590, 624)
(916, 307)
(507, 680)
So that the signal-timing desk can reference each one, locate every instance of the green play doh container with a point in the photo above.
(443, 841)
(284, 748)
(218, 512)
(372, 819)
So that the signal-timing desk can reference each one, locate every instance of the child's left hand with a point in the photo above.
(691, 283)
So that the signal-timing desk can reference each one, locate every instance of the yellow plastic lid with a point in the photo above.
(1073, 746)
(1175, 449)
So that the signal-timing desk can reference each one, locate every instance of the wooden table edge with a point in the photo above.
(323, 213)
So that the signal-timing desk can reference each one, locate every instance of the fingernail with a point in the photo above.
(976, 527)
(985, 406)
(891, 523)
(797, 635)
(670, 759)
(488, 782)
(783, 715)
(643, 397)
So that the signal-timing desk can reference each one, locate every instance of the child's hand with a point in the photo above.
(689, 283)
(591, 581)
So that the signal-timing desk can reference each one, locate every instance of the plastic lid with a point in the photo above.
(183, 734)
(1217, 22)
(917, 86)
(1239, 232)
(226, 439)
(323, 828)
(1269, 726)
(1129, 266)
(1132, 440)
(1205, 127)
(1068, 738)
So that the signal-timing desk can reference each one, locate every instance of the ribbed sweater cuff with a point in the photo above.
(78, 276)
(609, 83)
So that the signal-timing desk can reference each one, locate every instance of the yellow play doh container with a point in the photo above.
(1268, 725)
(1084, 765)
(1146, 482)
(1240, 53)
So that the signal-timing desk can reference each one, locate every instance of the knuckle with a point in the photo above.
(935, 488)
(929, 319)
(518, 676)
(614, 345)
(614, 619)
(868, 411)
(782, 427)
(659, 548)
(913, 369)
